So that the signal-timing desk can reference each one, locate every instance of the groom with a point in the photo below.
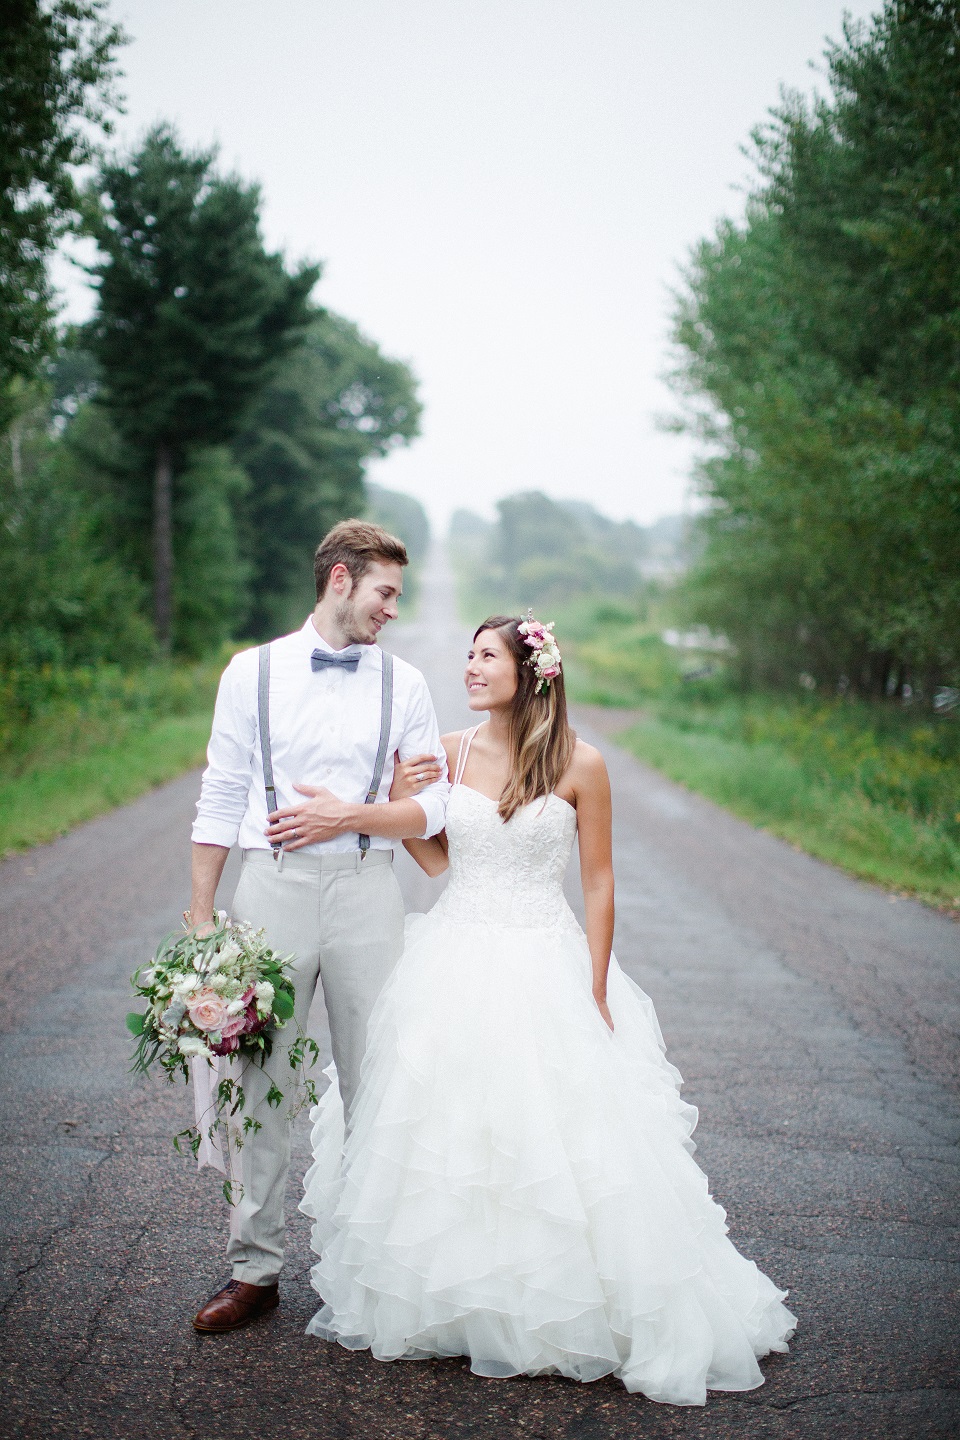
(316, 716)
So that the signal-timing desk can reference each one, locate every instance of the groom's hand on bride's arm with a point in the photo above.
(322, 816)
(319, 816)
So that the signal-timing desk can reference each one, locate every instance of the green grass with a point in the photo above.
(763, 784)
(48, 799)
(75, 744)
(872, 788)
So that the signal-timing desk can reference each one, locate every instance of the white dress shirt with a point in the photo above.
(324, 731)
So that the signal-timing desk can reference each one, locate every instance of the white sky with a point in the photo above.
(501, 191)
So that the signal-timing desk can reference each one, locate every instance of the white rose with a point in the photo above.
(227, 952)
(264, 992)
(236, 1007)
(185, 984)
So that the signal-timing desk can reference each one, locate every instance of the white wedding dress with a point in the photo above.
(518, 1183)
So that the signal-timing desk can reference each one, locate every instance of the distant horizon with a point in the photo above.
(437, 533)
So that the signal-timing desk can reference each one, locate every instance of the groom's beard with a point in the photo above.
(346, 618)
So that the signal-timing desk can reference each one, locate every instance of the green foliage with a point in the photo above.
(334, 402)
(210, 575)
(872, 786)
(193, 316)
(192, 313)
(62, 787)
(822, 350)
(65, 600)
(47, 709)
(76, 741)
(55, 91)
(826, 817)
(403, 516)
(550, 554)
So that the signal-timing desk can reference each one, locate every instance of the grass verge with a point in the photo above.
(873, 788)
(48, 799)
(75, 744)
(771, 789)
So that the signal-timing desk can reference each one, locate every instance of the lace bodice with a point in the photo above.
(508, 873)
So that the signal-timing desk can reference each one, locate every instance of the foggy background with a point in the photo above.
(501, 194)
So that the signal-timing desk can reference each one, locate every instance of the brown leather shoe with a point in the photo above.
(236, 1304)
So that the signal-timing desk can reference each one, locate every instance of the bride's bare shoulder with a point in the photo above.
(587, 768)
(451, 744)
(586, 776)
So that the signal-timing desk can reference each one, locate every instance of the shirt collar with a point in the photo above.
(313, 640)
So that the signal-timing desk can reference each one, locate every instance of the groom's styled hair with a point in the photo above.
(356, 544)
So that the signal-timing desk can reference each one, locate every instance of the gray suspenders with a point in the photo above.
(386, 711)
(263, 712)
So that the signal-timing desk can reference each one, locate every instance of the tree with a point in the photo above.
(56, 88)
(334, 402)
(64, 599)
(402, 515)
(822, 351)
(193, 316)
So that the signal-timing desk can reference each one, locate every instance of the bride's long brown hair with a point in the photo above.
(541, 739)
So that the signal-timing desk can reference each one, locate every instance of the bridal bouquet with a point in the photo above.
(223, 994)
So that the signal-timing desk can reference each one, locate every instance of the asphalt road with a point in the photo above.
(814, 1018)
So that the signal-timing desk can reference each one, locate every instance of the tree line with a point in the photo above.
(820, 354)
(166, 468)
(545, 552)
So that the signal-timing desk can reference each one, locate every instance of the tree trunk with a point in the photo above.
(163, 548)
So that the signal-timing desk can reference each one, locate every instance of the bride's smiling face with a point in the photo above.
(491, 673)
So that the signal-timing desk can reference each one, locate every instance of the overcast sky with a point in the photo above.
(501, 192)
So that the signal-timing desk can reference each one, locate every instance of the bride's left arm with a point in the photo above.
(591, 786)
(409, 779)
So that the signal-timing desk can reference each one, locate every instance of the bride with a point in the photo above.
(517, 1183)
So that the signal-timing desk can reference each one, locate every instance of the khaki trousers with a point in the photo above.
(341, 917)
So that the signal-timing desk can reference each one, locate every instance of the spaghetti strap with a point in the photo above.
(466, 740)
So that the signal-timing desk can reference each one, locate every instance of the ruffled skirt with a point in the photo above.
(518, 1183)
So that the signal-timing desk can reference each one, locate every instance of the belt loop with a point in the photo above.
(278, 859)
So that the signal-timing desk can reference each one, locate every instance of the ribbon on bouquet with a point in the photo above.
(206, 1077)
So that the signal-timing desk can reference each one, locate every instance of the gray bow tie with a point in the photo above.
(349, 659)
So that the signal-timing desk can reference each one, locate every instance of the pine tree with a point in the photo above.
(55, 90)
(193, 315)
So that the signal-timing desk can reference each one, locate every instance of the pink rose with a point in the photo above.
(550, 672)
(233, 1025)
(208, 1010)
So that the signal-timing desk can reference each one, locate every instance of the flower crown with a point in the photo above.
(545, 658)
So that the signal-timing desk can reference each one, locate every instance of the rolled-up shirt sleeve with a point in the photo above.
(225, 786)
(421, 736)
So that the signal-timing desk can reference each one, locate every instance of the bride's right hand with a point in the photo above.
(413, 775)
(604, 1009)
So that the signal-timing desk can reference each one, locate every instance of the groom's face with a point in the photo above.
(370, 602)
